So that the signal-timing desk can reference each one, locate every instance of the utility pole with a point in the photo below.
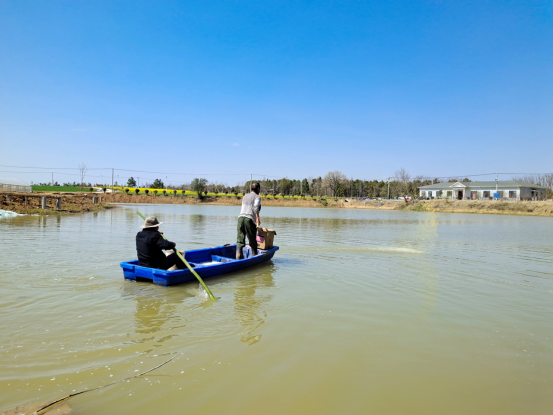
(52, 178)
(138, 181)
(111, 180)
(496, 183)
(388, 188)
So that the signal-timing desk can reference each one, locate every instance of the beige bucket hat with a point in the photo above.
(151, 222)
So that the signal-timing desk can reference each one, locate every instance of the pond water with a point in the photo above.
(360, 311)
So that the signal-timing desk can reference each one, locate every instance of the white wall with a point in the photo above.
(521, 193)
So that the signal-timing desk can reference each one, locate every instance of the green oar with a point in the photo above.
(187, 264)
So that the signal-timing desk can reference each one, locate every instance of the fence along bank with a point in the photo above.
(504, 190)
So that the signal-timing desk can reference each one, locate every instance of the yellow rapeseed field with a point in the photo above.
(142, 191)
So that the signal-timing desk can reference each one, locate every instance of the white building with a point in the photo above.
(509, 190)
(13, 185)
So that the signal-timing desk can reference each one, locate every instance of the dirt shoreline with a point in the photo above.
(493, 207)
(525, 208)
(75, 203)
(31, 203)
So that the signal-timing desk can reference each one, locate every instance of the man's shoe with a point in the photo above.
(239, 253)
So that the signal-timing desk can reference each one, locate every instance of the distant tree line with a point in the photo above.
(333, 184)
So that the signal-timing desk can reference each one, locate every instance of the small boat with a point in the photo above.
(208, 262)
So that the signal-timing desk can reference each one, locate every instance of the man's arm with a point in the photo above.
(256, 209)
(164, 243)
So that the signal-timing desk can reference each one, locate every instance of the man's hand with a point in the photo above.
(160, 232)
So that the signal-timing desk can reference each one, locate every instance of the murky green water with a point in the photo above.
(360, 312)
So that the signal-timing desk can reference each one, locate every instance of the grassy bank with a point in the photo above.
(218, 200)
(80, 203)
(530, 208)
(163, 193)
(445, 206)
(60, 189)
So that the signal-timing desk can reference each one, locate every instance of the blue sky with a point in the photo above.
(280, 88)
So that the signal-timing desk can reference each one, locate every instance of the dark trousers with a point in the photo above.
(246, 227)
(171, 260)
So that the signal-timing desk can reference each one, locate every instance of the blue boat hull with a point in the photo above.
(207, 263)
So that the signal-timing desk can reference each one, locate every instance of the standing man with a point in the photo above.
(248, 221)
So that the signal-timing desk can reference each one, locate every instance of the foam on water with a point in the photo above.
(202, 293)
(358, 249)
(9, 213)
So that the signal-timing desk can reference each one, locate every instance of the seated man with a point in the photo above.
(150, 245)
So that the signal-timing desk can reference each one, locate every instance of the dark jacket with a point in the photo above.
(149, 245)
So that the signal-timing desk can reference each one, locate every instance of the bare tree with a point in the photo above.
(212, 187)
(402, 176)
(333, 180)
(422, 178)
(83, 168)
(545, 180)
(318, 186)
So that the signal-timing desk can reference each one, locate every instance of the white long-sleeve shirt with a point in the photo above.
(251, 205)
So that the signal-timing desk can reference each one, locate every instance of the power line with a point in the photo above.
(134, 171)
(476, 175)
(193, 174)
(107, 176)
(55, 168)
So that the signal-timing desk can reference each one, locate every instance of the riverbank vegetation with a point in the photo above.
(541, 208)
(496, 207)
(79, 203)
(334, 184)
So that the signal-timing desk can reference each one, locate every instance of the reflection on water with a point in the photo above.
(449, 312)
(427, 231)
(248, 308)
(197, 223)
(153, 307)
(359, 249)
